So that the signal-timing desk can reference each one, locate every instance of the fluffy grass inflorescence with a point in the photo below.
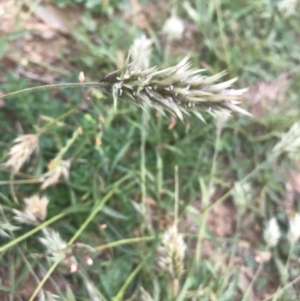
(57, 169)
(35, 210)
(172, 252)
(23, 148)
(55, 246)
(179, 89)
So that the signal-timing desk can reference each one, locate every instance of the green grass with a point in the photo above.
(121, 194)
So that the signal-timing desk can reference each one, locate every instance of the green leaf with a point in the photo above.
(113, 213)
(117, 273)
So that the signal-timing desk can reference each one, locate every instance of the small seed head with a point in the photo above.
(172, 252)
(23, 148)
(294, 231)
(173, 28)
(57, 169)
(272, 233)
(35, 210)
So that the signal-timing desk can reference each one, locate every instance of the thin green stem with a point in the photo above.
(48, 274)
(232, 254)
(55, 120)
(197, 257)
(145, 117)
(92, 215)
(222, 33)
(246, 178)
(255, 277)
(214, 161)
(210, 186)
(120, 294)
(54, 86)
(176, 203)
(69, 143)
(29, 181)
(123, 242)
(12, 190)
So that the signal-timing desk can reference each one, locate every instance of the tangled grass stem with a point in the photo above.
(53, 86)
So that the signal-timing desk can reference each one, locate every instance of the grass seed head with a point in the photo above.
(53, 242)
(179, 90)
(55, 245)
(272, 233)
(34, 212)
(57, 169)
(23, 147)
(242, 194)
(173, 28)
(172, 252)
(294, 231)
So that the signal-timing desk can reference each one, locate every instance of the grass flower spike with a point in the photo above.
(294, 231)
(53, 242)
(172, 252)
(272, 233)
(242, 194)
(34, 212)
(24, 146)
(54, 245)
(57, 169)
(178, 89)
